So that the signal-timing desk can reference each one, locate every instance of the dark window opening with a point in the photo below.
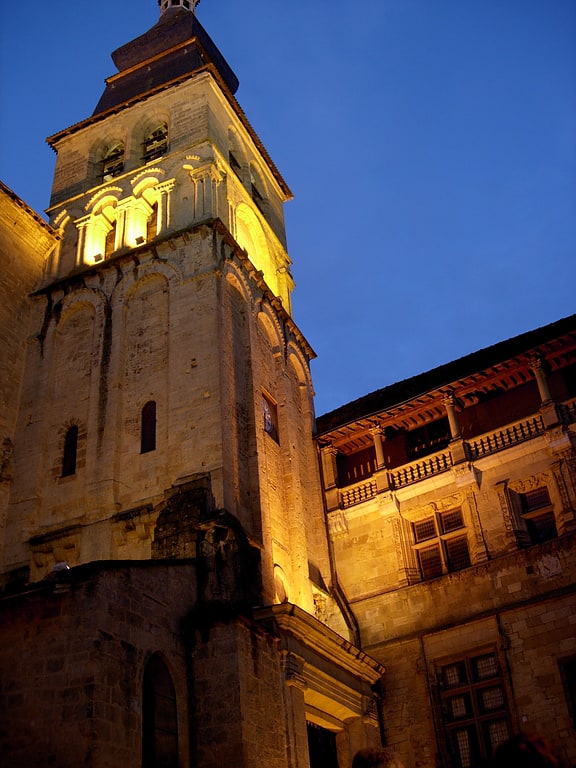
(428, 439)
(355, 467)
(538, 513)
(321, 747)
(234, 164)
(113, 162)
(159, 717)
(148, 428)
(430, 562)
(70, 452)
(457, 554)
(568, 672)
(156, 144)
(257, 197)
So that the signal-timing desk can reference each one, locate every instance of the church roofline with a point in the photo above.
(410, 389)
(25, 207)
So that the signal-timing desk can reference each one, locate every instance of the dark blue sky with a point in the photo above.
(430, 145)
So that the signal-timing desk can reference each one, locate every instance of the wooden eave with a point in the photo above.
(354, 435)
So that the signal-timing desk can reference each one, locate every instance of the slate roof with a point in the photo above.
(172, 50)
(177, 45)
(411, 388)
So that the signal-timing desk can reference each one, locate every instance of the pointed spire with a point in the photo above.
(166, 5)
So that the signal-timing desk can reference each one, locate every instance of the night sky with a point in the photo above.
(430, 146)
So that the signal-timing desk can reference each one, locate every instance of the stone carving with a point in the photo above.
(228, 567)
(530, 484)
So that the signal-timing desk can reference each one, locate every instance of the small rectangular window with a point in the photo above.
(535, 500)
(70, 452)
(148, 428)
(538, 514)
(270, 415)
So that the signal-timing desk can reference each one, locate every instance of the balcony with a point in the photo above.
(443, 461)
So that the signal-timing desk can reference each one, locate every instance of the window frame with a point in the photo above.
(113, 162)
(270, 417)
(475, 706)
(434, 542)
(538, 516)
(155, 143)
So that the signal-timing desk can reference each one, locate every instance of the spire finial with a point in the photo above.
(189, 5)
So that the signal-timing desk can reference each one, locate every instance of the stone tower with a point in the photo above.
(167, 405)
(168, 593)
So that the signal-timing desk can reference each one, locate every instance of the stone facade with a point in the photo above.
(452, 515)
(25, 245)
(165, 487)
(178, 586)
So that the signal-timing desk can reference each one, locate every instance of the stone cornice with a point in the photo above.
(310, 634)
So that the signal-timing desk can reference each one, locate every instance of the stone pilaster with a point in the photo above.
(295, 685)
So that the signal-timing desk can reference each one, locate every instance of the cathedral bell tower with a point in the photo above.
(167, 407)
(170, 599)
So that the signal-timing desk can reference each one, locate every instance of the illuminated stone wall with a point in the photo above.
(192, 181)
(25, 245)
(509, 598)
(191, 327)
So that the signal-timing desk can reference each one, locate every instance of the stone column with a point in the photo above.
(450, 405)
(81, 225)
(376, 433)
(457, 445)
(206, 180)
(548, 409)
(297, 734)
(122, 212)
(164, 193)
(330, 475)
(537, 368)
(328, 454)
(136, 223)
(381, 473)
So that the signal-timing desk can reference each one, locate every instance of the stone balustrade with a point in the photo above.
(437, 463)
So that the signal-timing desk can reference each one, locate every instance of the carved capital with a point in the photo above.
(293, 668)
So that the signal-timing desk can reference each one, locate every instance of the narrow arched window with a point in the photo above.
(159, 717)
(148, 428)
(155, 143)
(70, 452)
(113, 162)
